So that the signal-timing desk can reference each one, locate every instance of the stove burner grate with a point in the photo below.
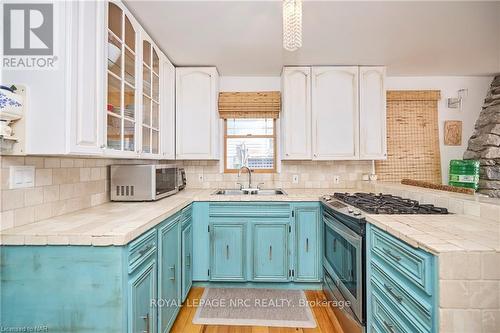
(387, 204)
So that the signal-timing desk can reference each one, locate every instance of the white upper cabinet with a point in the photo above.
(197, 130)
(167, 107)
(372, 113)
(335, 113)
(296, 114)
(122, 82)
(64, 105)
(151, 98)
(86, 77)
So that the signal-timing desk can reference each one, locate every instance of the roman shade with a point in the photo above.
(412, 137)
(263, 104)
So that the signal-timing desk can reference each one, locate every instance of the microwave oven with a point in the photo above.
(145, 182)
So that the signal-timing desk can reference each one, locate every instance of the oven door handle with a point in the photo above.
(342, 230)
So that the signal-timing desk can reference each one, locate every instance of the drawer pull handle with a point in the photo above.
(146, 249)
(334, 244)
(390, 290)
(188, 260)
(390, 327)
(307, 244)
(227, 252)
(392, 255)
(173, 276)
(146, 319)
(270, 252)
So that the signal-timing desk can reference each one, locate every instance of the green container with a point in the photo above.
(464, 173)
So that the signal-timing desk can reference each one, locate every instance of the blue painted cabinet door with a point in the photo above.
(270, 251)
(228, 252)
(187, 260)
(142, 291)
(307, 244)
(169, 272)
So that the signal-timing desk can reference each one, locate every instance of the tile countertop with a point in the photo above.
(118, 223)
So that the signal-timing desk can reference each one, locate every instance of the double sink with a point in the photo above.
(249, 192)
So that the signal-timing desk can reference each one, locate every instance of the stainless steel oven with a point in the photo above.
(143, 182)
(344, 266)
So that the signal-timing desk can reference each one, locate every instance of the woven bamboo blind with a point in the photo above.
(412, 137)
(265, 104)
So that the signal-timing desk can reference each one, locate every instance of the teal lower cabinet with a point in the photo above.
(402, 285)
(307, 266)
(81, 289)
(169, 272)
(187, 259)
(258, 242)
(270, 250)
(133, 288)
(142, 290)
(139, 287)
(227, 260)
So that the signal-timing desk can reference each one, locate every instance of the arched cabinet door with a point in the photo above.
(196, 113)
(121, 82)
(296, 114)
(372, 114)
(335, 113)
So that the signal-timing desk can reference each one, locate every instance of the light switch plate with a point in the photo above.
(21, 176)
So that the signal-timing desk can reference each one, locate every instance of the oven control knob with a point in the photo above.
(349, 209)
(357, 213)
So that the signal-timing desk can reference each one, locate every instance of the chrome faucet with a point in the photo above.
(249, 175)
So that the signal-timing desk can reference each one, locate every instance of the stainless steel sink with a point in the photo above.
(249, 192)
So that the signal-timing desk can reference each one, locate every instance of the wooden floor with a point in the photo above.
(325, 319)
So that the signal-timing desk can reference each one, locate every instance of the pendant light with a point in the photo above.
(292, 24)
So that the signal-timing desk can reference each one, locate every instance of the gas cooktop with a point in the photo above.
(382, 204)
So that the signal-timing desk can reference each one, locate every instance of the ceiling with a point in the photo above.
(410, 38)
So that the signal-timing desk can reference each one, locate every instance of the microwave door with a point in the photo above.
(166, 181)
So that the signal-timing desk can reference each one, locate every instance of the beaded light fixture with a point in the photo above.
(292, 24)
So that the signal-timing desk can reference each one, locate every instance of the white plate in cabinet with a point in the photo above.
(335, 113)
(372, 114)
(197, 121)
(296, 114)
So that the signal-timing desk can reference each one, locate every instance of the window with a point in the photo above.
(251, 143)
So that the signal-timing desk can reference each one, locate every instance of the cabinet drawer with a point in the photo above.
(140, 249)
(263, 209)
(416, 309)
(412, 264)
(387, 319)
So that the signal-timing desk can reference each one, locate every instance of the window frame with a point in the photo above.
(273, 136)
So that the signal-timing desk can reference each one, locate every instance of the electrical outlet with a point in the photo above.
(21, 176)
(200, 177)
(336, 179)
(295, 179)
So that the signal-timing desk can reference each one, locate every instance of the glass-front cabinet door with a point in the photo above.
(121, 80)
(150, 98)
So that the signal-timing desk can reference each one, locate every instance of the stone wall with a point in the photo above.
(484, 144)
